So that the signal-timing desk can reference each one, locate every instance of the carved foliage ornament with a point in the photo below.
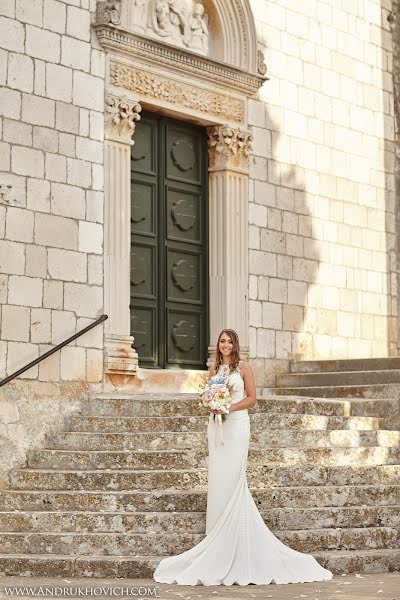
(228, 147)
(108, 12)
(121, 117)
(177, 93)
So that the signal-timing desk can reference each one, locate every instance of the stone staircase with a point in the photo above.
(125, 484)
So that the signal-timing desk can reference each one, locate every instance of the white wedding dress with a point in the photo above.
(238, 547)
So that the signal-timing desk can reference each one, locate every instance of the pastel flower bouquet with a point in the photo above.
(215, 394)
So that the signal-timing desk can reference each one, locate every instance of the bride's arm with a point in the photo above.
(249, 386)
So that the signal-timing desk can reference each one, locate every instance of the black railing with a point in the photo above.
(55, 349)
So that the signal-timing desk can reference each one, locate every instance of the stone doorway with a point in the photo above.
(169, 237)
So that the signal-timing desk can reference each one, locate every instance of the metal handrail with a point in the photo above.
(55, 349)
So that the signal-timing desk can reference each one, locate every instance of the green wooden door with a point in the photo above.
(169, 295)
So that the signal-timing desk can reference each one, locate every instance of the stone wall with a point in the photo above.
(322, 227)
(51, 206)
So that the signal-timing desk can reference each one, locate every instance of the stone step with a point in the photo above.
(263, 476)
(194, 522)
(269, 438)
(328, 496)
(164, 405)
(137, 544)
(351, 364)
(339, 392)
(342, 378)
(197, 457)
(360, 561)
(259, 422)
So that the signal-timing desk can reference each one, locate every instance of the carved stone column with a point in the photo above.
(121, 360)
(228, 232)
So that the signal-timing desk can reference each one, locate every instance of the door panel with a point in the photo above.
(169, 295)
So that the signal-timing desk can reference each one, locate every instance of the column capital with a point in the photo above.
(228, 148)
(121, 115)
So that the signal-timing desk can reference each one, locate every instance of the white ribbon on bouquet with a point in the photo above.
(219, 431)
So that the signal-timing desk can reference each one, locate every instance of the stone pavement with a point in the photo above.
(380, 586)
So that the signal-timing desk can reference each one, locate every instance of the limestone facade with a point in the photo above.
(305, 160)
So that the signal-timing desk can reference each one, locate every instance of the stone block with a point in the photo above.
(20, 354)
(78, 23)
(67, 144)
(7, 8)
(40, 325)
(285, 267)
(277, 290)
(294, 245)
(38, 111)
(54, 16)
(305, 270)
(257, 214)
(271, 315)
(263, 287)
(56, 167)
(345, 324)
(90, 237)
(26, 161)
(83, 122)
(95, 206)
(73, 363)
(29, 11)
(43, 44)
(97, 126)
(68, 201)
(40, 77)
(59, 82)
(49, 368)
(285, 199)
(256, 113)
(274, 219)
(19, 225)
(98, 177)
(23, 290)
(94, 365)
(297, 293)
(84, 300)
(255, 313)
(262, 263)
(36, 261)
(38, 195)
(53, 294)
(45, 139)
(5, 156)
(20, 72)
(12, 35)
(10, 102)
(3, 66)
(273, 241)
(293, 318)
(265, 343)
(254, 237)
(88, 91)
(16, 132)
(79, 172)
(12, 257)
(264, 193)
(51, 230)
(283, 344)
(93, 338)
(261, 144)
(75, 53)
(253, 288)
(67, 118)
(15, 323)
(2, 221)
(95, 269)
(67, 265)
(97, 63)
(63, 325)
(89, 150)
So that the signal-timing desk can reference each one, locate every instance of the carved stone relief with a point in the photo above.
(108, 12)
(175, 92)
(182, 23)
(228, 148)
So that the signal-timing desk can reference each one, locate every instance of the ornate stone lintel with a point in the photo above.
(121, 360)
(108, 12)
(121, 117)
(228, 149)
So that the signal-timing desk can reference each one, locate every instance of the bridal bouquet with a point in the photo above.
(215, 394)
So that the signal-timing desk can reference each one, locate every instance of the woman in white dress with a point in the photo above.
(238, 547)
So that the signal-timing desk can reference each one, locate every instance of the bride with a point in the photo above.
(238, 547)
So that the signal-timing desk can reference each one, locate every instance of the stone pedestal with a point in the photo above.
(121, 360)
(228, 233)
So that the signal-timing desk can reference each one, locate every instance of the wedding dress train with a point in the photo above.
(238, 547)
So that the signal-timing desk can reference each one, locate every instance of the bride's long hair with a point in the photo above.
(235, 354)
